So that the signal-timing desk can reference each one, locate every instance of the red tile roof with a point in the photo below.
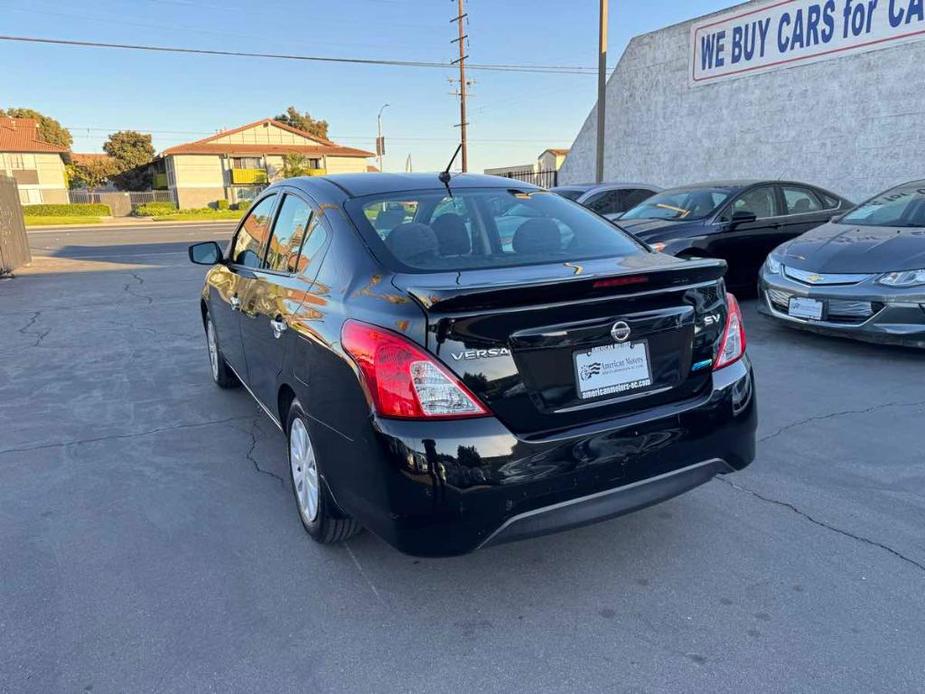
(22, 135)
(209, 146)
(557, 152)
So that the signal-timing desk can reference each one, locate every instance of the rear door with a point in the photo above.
(278, 290)
(230, 283)
(744, 246)
(804, 209)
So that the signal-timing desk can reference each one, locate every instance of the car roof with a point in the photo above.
(362, 184)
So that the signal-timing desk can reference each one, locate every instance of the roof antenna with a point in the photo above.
(445, 174)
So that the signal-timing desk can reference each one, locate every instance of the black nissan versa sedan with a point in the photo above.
(448, 391)
(738, 221)
(860, 276)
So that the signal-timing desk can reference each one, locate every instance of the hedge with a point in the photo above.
(243, 205)
(75, 210)
(221, 204)
(153, 209)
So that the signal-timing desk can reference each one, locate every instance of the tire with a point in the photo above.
(222, 376)
(320, 516)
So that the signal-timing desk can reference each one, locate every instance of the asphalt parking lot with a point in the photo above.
(149, 542)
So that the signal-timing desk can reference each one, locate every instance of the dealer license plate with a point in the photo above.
(805, 308)
(612, 369)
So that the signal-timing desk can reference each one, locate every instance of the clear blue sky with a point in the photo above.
(180, 98)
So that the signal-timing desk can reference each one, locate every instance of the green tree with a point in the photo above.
(295, 164)
(91, 173)
(303, 121)
(50, 130)
(131, 152)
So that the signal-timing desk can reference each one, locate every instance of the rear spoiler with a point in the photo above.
(546, 291)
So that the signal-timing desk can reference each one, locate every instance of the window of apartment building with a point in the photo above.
(246, 163)
(20, 161)
(30, 196)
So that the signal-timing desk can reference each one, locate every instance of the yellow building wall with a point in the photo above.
(197, 170)
(336, 165)
(264, 135)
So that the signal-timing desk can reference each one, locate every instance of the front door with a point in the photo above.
(744, 244)
(231, 283)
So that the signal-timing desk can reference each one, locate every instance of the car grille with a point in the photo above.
(836, 310)
(813, 278)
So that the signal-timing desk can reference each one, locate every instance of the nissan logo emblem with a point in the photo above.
(620, 332)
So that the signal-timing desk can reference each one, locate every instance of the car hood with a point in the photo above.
(843, 248)
(648, 229)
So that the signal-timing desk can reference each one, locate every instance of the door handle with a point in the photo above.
(235, 303)
(278, 326)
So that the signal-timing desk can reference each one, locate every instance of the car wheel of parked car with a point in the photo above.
(221, 374)
(317, 510)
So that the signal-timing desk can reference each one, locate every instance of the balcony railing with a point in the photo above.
(247, 176)
(317, 172)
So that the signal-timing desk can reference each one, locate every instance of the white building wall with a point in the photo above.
(851, 124)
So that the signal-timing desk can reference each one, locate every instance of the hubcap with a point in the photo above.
(213, 348)
(304, 470)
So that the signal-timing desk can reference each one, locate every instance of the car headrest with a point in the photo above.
(411, 241)
(537, 236)
(452, 235)
(803, 205)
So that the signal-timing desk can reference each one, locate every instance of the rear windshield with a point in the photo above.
(900, 207)
(680, 205)
(432, 231)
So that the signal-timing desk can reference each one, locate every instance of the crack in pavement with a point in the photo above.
(250, 452)
(39, 336)
(833, 415)
(114, 437)
(129, 290)
(822, 524)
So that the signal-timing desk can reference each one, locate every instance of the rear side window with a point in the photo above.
(288, 234)
(253, 234)
(609, 202)
(801, 200)
(487, 228)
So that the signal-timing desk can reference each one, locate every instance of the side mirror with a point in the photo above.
(743, 217)
(205, 253)
(838, 217)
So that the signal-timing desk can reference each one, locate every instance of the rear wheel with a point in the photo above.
(319, 514)
(221, 374)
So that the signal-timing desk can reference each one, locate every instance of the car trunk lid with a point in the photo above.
(552, 347)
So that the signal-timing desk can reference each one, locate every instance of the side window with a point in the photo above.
(252, 235)
(605, 203)
(312, 249)
(759, 201)
(288, 234)
(635, 196)
(800, 200)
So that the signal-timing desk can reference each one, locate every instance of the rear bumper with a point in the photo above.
(612, 503)
(452, 487)
(897, 318)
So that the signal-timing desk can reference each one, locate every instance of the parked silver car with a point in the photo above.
(608, 198)
(862, 275)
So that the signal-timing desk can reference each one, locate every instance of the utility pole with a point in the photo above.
(380, 141)
(460, 19)
(601, 91)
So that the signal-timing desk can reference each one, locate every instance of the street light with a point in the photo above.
(380, 142)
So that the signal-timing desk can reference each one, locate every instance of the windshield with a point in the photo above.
(488, 228)
(680, 205)
(900, 207)
(568, 193)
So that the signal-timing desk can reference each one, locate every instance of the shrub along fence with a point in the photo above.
(121, 202)
(14, 246)
(74, 210)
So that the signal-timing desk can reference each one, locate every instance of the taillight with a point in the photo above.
(402, 381)
(732, 345)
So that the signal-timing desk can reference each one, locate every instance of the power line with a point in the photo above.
(536, 69)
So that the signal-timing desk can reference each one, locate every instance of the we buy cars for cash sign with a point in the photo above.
(793, 32)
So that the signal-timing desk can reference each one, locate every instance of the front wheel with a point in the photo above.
(221, 374)
(319, 514)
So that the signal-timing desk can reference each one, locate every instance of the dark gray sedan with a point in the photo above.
(860, 276)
